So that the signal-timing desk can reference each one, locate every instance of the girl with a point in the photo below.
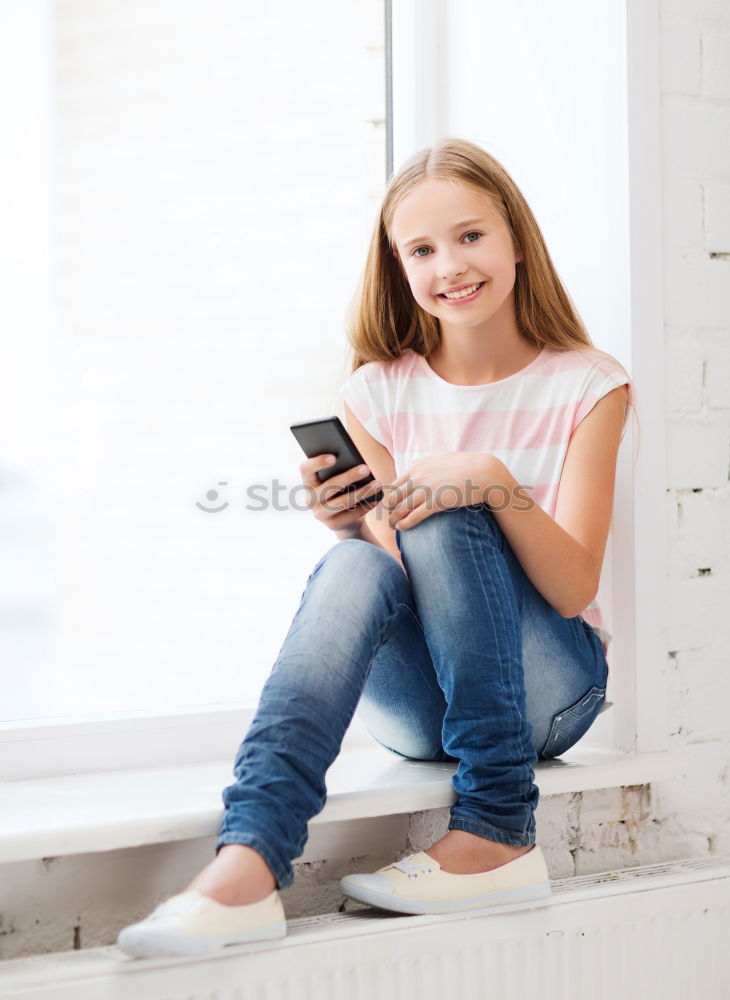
(458, 615)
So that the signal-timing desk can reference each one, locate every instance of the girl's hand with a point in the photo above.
(442, 481)
(336, 510)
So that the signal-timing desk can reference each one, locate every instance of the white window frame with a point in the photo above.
(640, 578)
(148, 739)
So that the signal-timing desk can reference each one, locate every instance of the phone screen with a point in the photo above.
(329, 436)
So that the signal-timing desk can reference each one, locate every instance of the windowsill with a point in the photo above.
(85, 813)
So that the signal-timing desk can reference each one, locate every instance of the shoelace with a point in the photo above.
(411, 869)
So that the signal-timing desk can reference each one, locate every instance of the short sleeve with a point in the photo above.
(360, 394)
(604, 375)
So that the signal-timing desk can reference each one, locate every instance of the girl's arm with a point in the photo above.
(374, 526)
(563, 556)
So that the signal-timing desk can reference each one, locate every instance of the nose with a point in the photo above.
(451, 264)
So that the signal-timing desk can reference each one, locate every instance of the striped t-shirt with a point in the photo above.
(525, 420)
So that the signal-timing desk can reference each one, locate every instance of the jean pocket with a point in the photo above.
(573, 722)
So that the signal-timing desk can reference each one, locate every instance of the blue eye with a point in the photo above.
(417, 254)
(475, 235)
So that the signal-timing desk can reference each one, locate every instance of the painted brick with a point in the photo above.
(672, 510)
(680, 56)
(696, 289)
(676, 702)
(698, 450)
(717, 217)
(610, 821)
(600, 806)
(557, 820)
(698, 799)
(668, 841)
(699, 9)
(697, 611)
(716, 64)
(683, 361)
(695, 135)
(707, 676)
(682, 211)
(717, 371)
(702, 537)
(424, 828)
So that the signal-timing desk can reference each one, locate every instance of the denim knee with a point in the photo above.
(354, 564)
(352, 554)
(431, 531)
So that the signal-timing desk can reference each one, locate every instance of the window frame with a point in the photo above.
(640, 556)
(416, 78)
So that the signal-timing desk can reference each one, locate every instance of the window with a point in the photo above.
(216, 169)
(201, 311)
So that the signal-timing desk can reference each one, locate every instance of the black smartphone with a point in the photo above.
(329, 436)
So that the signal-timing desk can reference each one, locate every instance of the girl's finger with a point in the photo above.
(413, 517)
(333, 485)
(415, 497)
(398, 492)
(336, 500)
(311, 466)
(344, 517)
(399, 514)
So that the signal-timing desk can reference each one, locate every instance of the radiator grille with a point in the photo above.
(655, 932)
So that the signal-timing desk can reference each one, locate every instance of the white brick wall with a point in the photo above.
(716, 62)
(691, 814)
(717, 217)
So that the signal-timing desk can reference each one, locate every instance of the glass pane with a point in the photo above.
(216, 174)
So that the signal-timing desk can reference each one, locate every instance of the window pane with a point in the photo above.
(217, 171)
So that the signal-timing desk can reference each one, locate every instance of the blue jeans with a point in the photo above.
(459, 658)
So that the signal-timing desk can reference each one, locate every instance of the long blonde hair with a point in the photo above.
(385, 320)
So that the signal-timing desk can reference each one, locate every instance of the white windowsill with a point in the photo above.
(84, 813)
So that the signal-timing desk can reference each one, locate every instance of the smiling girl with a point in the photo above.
(458, 616)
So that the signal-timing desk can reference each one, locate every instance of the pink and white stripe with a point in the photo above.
(525, 420)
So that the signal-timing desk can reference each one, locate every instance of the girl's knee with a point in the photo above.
(443, 524)
(355, 557)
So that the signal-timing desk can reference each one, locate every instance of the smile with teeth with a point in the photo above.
(462, 293)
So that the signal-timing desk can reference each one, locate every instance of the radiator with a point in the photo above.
(655, 932)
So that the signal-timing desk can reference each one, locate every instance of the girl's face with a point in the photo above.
(456, 251)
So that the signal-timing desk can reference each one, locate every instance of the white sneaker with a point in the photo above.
(194, 924)
(417, 884)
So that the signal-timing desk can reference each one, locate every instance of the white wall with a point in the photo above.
(693, 812)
